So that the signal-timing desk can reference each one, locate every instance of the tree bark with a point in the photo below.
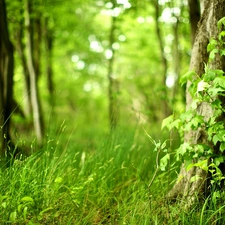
(35, 101)
(213, 11)
(6, 81)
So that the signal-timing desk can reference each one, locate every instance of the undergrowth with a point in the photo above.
(102, 183)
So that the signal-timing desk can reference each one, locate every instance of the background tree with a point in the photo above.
(33, 68)
(6, 83)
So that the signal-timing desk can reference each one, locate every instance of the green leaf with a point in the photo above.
(176, 123)
(184, 148)
(187, 76)
(186, 116)
(221, 35)
(218, 160)
(163, 144)
(12, 216)
(19, 208)
(25, 212)
(215, 139)
(222, 146)
(219, 136)
(222, 52)
(188, 164)
(195, 103)
(213, 53)
(58, 180)
(4, 205)
(220, 81)
(212, 45)
(203, 164)
(164, 162)
(45, 210)
(196, 121)
(26, 199)
(221, 22)
(209, 76)
(167, 121)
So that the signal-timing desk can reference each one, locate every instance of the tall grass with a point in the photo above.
(105, 182)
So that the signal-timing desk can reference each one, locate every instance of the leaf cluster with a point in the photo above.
(207, 139)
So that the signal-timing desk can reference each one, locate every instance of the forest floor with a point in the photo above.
(95, 180)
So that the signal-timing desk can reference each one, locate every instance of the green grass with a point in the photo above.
(101, 180)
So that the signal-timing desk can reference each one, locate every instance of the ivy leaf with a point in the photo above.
(220, 136)
(210, 75)
(196, 121)
(164, 162)
(213, 53)
(187, 76)
(212, 45)
(214, 91)
(186, 116)
(221, 22)
(220, 81)
(202, 85)
(222, 52)
(188, 164)
(184, 148)
(203, 164)
(167, 121)
(222, 146)
(218, 160)
(221, 35)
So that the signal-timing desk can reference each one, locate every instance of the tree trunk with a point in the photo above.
(21, 51)
(213, 11)
(6, 81)
(113, 83)
(37, 115)
(48, 45)
(166, 109)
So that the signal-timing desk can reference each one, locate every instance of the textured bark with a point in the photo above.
(37, 115)
(207, 28)
(6, 81)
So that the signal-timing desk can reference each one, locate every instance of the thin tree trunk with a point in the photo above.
(37, 116)
(113, 83)
(21, 51)
(207, 28)
(6, 82)
(163, 58)
(176, 59)
(37, 35)
(49, 46)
